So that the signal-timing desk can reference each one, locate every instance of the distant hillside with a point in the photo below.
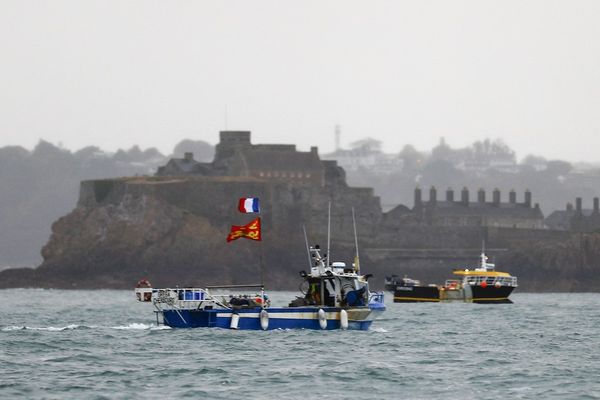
(39, 186)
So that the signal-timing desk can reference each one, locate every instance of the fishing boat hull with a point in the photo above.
(272, 318)
(491, 294)
(416, 294)
(470, 294)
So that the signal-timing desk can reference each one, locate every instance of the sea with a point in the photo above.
(102, 344)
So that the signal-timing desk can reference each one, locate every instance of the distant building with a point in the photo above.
(503, 165)
(183, 166)
(366, 154)
(481, 213)
(479, 158)
(576, 219)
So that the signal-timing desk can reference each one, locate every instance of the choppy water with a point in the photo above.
(103, 344)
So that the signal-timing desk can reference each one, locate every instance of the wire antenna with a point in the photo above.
(307, 247)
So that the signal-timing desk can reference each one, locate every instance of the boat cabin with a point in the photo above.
(332, 284)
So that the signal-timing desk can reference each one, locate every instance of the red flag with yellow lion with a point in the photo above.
(249, 231)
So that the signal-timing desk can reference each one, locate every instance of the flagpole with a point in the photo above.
(262, 262)
(357, 264)
(256, 208)
(262, 269)
(328, 233)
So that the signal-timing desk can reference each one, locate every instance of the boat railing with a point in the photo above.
(491, 280)
(194, 297)
(168, 295)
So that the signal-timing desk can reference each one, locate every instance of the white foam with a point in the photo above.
(13, 328)
(140, 327)
(160, 328)
(379, 330)
(35, 328)
(132, 326)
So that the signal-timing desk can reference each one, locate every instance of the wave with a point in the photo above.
(378, 330)
(132, 326)
(47, 328)
(140, 327)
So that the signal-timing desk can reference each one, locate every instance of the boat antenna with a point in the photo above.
(307, 248)
(356, 262)
(483, 258)
(328, 233)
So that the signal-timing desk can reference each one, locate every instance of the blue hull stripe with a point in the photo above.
(277, 319)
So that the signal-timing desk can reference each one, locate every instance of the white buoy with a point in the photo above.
(343, 319)
(235, 320)
(264, 320)
(322, 319)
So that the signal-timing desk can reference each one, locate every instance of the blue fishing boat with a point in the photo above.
(334, 296)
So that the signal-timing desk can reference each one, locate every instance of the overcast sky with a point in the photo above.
(118, 73)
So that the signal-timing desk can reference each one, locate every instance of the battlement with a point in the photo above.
(465, 196)
(576, 219)
(463, 212)
(276, 147)
(234, 137)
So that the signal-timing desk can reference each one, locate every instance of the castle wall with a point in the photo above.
(284, 206)
(464, 213)
(510, 237)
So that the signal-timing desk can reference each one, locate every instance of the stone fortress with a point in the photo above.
(235, 155)
(298, 184)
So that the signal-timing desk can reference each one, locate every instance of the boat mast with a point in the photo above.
(328, 256)
(357, 261)
(307, 248)
(483, 258)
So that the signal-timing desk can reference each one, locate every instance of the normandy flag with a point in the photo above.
(249, 231)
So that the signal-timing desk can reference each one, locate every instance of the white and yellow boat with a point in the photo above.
(482, 284)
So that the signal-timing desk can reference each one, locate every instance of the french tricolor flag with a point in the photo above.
(249, 205)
